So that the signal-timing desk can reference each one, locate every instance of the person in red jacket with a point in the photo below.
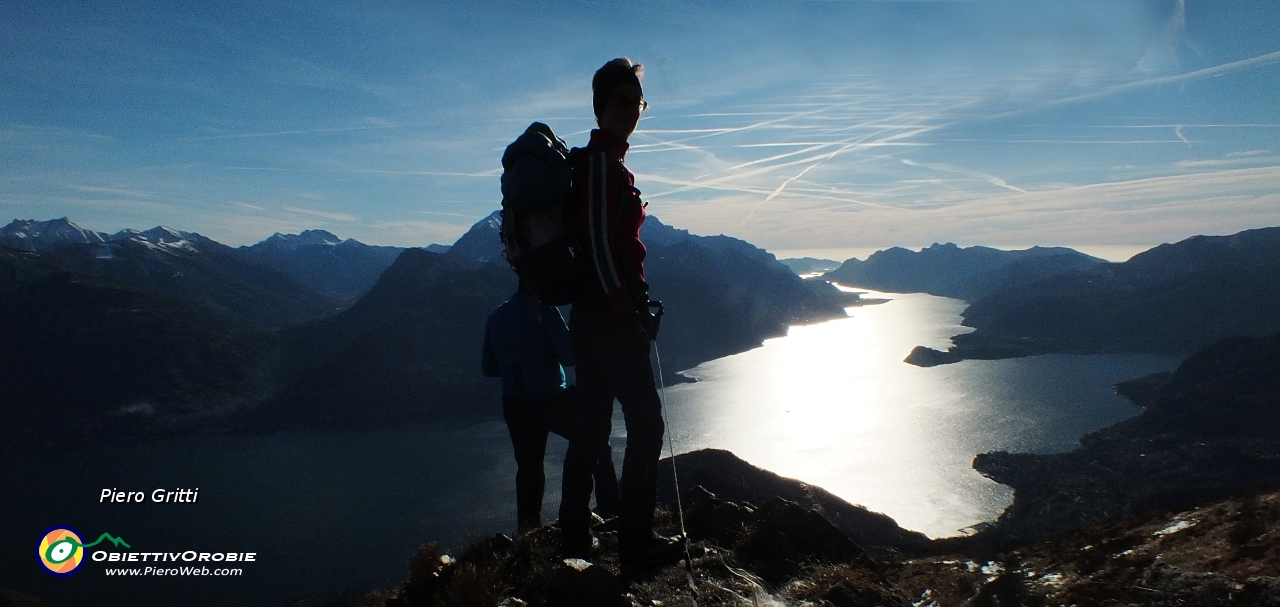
(611, 327)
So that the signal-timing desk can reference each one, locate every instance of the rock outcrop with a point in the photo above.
(732, 479)
(780, 551)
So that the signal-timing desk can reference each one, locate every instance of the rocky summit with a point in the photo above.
(1224, 552)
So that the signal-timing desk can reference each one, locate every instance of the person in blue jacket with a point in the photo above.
(527, 344)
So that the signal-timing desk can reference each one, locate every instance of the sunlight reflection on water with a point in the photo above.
(833, 405)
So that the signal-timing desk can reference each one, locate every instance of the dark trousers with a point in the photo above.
(529, 422)
(613, 362)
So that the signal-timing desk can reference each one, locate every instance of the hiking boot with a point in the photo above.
(583, 549)
(655, 553)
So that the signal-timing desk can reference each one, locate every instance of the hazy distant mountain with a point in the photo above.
(86, 357)
(409, 350)
(342, 270)
(1173, 298)
(964, 273)
(809, 265)
(722, 295)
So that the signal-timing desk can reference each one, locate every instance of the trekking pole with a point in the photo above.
(671, 451)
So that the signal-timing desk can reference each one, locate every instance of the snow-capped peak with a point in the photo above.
(161, 238)
(165, 234)
(33, 235)
(307, 237)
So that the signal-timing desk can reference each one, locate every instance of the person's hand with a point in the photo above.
(651, 319)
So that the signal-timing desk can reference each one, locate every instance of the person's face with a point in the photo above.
(622, 111)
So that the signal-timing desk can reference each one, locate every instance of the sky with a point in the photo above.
(805, 127)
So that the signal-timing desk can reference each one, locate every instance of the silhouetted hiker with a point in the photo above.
(525, 343)
(611, 325)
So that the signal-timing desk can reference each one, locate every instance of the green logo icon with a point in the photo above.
(61, 552)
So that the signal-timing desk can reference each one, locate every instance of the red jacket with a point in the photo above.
(609, 213)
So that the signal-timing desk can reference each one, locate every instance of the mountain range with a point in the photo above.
(967, 273)
(1174, 298)
(722, 295)
(341, 270)
(189, 333)
(809, 265)
(166, 330)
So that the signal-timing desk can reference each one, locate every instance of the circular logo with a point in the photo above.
(60, 551)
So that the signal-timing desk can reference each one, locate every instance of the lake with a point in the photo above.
(834, 405)
(831, 404)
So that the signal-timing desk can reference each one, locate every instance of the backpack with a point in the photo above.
(536, 221)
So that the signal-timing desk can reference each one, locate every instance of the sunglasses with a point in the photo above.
(625, 99)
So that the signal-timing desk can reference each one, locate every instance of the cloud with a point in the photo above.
(418, 233)
(118, 191)
(381, 127)
(1229, 160)
(114, 204)
(245, 229)
(948, 168)
(1159, 209)
(467, 216)
(1208, 72)
(390, 172)
(322, 214)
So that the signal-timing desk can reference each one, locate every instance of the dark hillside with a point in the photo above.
(722, 298)
(409, 350)
(722, 295)
(88, 357)
(202, 271)
(1173, 298)
(1211, 429)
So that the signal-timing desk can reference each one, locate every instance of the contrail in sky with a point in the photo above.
(775, 193)
(303, 132)
(1207, 72)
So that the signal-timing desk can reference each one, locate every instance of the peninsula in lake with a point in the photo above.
(1174, 298)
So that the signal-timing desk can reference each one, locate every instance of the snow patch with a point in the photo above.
(1051, 579)
(142, 409)
(1174, 528)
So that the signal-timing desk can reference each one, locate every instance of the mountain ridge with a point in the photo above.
(951, 271)
(1174, 298)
